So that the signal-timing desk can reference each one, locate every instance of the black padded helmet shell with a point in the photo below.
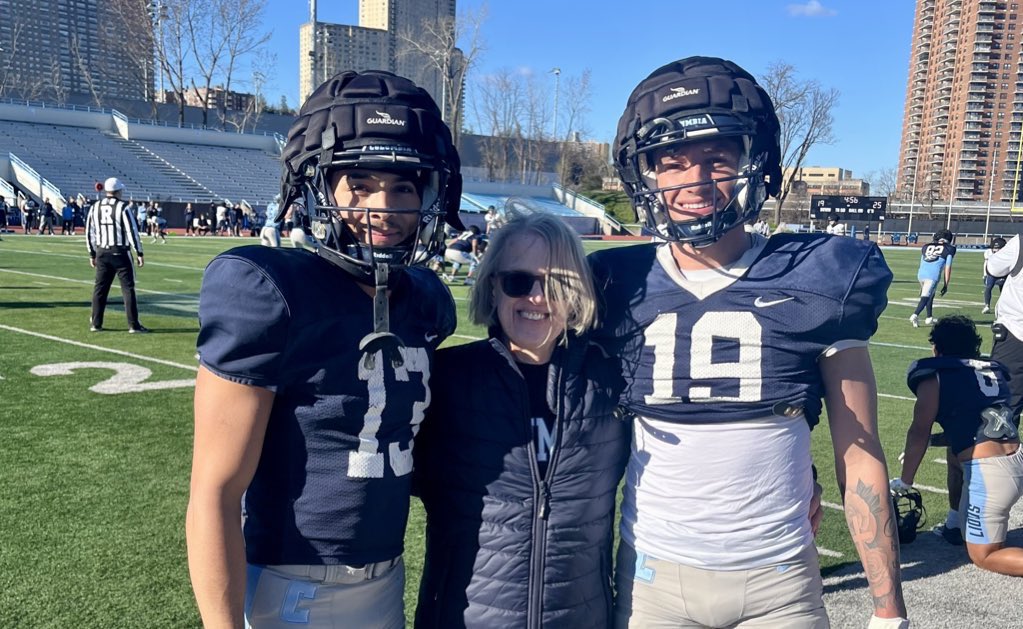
(372, 120)
(690, 100)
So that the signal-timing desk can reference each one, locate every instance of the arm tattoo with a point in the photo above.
(874, 533)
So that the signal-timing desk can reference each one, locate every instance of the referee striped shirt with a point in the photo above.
(110, 225)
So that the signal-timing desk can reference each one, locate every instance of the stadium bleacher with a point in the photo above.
(478, 202)
(75, 158)
(232, 173)
(72, 150)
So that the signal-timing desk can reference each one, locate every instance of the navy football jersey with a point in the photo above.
(973, 399)
(333, 479)
(748, 349)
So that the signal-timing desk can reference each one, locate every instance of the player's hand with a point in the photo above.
(899, 486)
(944, 289)
(140, 261)
(816, 510)
(888, 623)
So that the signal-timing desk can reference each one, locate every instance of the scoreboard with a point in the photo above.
(848, 208)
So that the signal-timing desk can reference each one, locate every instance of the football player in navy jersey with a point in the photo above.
(728, 342)
(315, 369)
(935, 264)
(969, 398)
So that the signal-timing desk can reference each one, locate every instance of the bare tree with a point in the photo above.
(173, 49)
(133, 30)
(85, 71)
(571, 157)
(883, 182)
(8, 77)
(804, 111)
(207, 39)
(242, 21)
(497, 105)
(576, 99)
(449, 49)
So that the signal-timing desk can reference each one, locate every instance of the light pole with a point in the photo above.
(161, 15)
(990, 194)
(557, 85)
(912, 200)
(952, 194)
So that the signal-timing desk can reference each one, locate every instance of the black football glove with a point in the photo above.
(944, 289)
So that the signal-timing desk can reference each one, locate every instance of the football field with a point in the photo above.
(96, 447)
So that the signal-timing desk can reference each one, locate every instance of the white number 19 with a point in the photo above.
(741, 327)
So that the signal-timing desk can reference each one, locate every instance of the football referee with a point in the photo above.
(110, 233)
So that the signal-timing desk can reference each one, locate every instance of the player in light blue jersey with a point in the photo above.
(935, 264)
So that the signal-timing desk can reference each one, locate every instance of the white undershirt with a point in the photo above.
(725, 496)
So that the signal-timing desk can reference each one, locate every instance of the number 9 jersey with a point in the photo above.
(740, 343)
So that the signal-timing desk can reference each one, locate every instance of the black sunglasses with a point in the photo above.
(520, 283)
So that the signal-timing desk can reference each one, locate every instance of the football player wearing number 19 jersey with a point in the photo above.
(728, 342)
(315, 369)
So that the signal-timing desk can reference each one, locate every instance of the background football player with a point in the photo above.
(465, 249)
(935, 264)
(969, 397)
(728, 342)
(308, 398)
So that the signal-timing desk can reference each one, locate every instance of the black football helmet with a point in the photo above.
(910, 515)
(371, 120)
(691, 100)
(943, 235)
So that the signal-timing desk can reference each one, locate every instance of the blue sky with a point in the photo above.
(859, 47)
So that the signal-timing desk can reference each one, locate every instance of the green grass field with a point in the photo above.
(97, 431)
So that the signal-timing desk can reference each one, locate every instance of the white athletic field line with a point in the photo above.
(91, 282)
(85, 255)
(828, 553)
(98, 348)
(458, 336)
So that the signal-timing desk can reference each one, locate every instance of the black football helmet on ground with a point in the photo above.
(380, 121)
(910, 515)
(691, 100)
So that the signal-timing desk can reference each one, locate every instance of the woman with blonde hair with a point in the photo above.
(519, 458)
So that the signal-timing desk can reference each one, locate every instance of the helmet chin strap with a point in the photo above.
(381, 340)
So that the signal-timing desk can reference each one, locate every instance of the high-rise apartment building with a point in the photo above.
(51, 49)
(964, 102)
(378, 43)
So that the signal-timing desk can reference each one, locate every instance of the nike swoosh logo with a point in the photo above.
(430, 338)
(760, 303)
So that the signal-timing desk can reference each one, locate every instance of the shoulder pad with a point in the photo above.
(920, 370)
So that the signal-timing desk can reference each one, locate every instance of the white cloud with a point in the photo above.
(813, 8)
